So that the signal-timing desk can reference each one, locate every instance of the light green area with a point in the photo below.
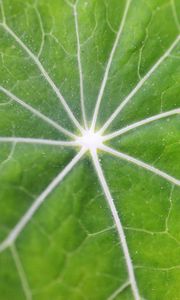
(70, 249)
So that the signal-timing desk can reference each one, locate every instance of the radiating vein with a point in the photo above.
(141, 164)
(139, 85)
(35, 141)
(37, 203)
(80, 66)
(21, 272)
(108, 66)
(141, 123)
(37, 113)
(118, 224)
(45, 74)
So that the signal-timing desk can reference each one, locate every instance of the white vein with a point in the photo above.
(93, 32)
(119, 291)
(57, 41)
(165, 232)
(175, 14)
(10, 155)
(141, 164)
(142, 48)
(110, 228)
(107, 20)
(80, 65)
(170, 209)
(37, 113)
(108, 66)
(139, 85)
(6, 103)
(25, 140)
(21, 272)
(44, 73)
(37, 203)
(140, 123)
(119, 226)
(69, 3)
(2, 11)
(42, 31)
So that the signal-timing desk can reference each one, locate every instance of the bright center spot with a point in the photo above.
(90, 140)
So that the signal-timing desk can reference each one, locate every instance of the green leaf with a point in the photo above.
(89, 150)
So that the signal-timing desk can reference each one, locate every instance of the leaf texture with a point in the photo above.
(89, 150)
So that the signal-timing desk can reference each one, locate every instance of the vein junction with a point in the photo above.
(89, 141)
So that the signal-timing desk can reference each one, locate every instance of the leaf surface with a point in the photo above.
(89, 150)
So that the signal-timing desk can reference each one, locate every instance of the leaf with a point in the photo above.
(89, 150)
